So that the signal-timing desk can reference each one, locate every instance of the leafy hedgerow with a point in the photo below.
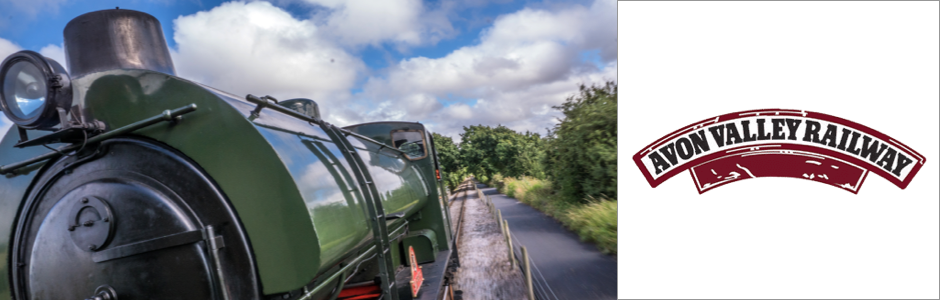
(570, 174)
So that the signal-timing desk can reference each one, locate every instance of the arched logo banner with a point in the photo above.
(778, 143)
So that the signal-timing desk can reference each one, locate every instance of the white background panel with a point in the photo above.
(874, 63)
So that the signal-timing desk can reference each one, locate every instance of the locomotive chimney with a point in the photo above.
(116, 39)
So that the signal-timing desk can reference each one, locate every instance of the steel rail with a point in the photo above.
(463, 207)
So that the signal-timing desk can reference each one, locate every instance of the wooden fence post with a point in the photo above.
(528, 274)
(512, 260)
(499, 221)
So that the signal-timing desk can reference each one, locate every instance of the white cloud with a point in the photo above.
(4, 126)
(523, 48)
(51, 51)
(406, 22)
(261, 49)
(458, 111)
(528, 109)
(525, 63)
(55, 53)
(7, 48)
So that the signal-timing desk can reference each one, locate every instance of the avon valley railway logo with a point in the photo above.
(778, 143)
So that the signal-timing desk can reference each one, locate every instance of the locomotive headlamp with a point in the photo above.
(33, 88)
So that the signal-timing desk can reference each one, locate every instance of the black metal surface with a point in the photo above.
(104, 292)
(270, 102)
(116, 39)
(380, 122)
(91, 223)
(152, 192)
(302, 105)
(70, 134)
(162, 242)
(434, 273)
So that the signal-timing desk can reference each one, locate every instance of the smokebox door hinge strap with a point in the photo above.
(159, 243)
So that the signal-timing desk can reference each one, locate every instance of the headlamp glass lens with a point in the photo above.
(24, 90)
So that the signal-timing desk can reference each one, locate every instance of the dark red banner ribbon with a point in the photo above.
(778, 143)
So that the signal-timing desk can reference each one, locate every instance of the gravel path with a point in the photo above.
(485, 271)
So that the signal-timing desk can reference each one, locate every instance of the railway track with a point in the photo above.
(456, 228)
(463, 189)
(485, 271)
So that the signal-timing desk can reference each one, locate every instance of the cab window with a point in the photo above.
(411, 142)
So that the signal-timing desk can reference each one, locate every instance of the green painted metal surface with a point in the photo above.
(233, 152)
(424, 242)
(333, 206)
(289, 183)
(435, 213)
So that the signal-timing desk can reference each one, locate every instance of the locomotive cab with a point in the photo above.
(121, 180)
(418, 146)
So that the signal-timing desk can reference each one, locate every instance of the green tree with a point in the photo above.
(486, 151)
(449, 155)
(477, 148)
(582, 148)
(522, 155)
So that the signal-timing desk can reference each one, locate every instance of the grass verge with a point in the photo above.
(594, 221)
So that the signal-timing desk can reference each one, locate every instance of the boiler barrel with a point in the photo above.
(331, 191)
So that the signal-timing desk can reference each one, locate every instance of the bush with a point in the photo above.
(496, 181)
(596, 222)
(582, 148)
(511, 189)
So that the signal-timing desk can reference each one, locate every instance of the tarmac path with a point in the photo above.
(563, 267)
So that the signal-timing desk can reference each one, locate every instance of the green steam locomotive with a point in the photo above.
(122, 181)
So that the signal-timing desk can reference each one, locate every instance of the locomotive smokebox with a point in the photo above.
(116, 39)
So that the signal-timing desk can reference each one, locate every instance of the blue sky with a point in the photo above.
(445, 63)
